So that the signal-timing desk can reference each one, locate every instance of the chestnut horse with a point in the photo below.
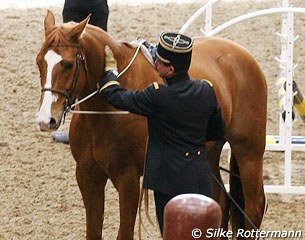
(112, 146)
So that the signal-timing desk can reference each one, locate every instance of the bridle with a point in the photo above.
(69, 94)
(69, 108)
(79, 60)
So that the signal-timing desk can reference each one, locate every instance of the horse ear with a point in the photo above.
(49, 22)
(77, 31)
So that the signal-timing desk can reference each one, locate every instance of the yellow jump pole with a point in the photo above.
(298, 101)
(281, 85)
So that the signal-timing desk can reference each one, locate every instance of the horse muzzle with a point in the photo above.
(47, 124)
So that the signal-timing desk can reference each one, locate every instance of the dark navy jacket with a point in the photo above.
(78, 10)
(182, 116)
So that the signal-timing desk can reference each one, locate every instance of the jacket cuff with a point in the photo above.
(108, 84)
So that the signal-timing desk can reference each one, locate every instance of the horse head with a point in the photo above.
(61, 64)
(63, 59)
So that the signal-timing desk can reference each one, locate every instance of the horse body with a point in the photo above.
(242, 93)
(113, 146)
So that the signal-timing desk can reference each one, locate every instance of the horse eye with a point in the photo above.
(67, 65)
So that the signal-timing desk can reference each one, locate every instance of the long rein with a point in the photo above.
(69, 109)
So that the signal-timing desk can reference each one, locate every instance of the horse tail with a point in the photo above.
(139, 214)
(144, 194)
(236, 192)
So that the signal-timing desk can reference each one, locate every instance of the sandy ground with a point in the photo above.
(39, 197)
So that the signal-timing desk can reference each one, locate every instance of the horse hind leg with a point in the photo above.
(237, 218)
(92, 187)
(128, 186)
(247, 191)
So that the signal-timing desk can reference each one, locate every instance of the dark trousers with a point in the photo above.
(161, 200)
(78, 10)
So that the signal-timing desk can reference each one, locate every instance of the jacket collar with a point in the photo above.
(177, 79)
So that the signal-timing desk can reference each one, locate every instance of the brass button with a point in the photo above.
(187, 154)
(198, 153)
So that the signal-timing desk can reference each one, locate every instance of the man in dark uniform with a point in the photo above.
(78, 10)
(182, 115)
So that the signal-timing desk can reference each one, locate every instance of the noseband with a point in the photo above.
(69, 94)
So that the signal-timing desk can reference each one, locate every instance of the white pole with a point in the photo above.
(285, 3)
(283, 67)
(289, 97)
(253, 15)
(196, 15)
(208, 19)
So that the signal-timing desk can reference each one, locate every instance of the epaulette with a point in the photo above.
(209, 82)
(156, 85)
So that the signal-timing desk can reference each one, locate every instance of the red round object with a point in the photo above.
(191, 216)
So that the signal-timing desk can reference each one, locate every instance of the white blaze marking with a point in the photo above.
(44, 114)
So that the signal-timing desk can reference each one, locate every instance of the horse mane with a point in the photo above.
(96, 45)
(102, 36)
(144, 49)
(58, 35)
(115, 45)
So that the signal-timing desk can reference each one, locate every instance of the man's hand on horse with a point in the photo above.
(109, 77)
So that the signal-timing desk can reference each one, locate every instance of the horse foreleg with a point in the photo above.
(128, 186)
(92, 186)
(218, 194)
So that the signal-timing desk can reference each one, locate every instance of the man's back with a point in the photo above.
(176, 156)
(183, 110)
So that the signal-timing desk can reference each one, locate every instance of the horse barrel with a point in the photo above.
(189, 216)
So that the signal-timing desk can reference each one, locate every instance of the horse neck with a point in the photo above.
(94, 57)
(140, 74)
(93, 49)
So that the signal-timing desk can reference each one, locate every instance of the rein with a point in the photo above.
(231, 198)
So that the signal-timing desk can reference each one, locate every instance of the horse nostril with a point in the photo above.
(53, 124)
